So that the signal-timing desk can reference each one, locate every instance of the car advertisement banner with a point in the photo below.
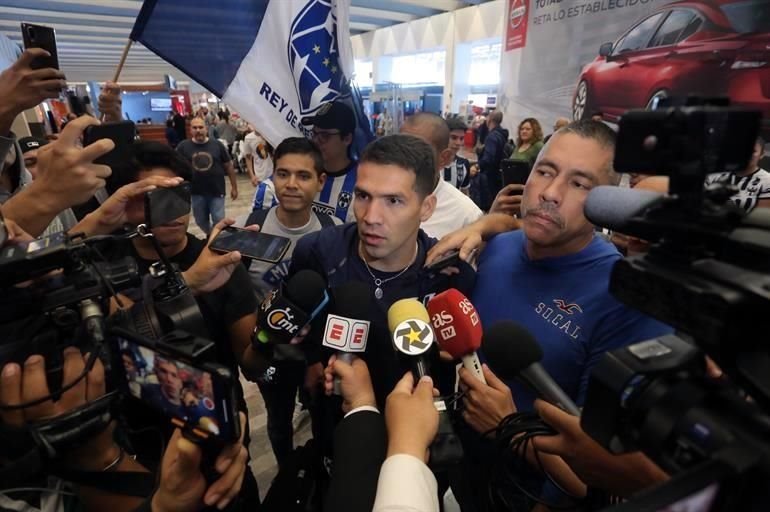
(516, 28)
(582, 57)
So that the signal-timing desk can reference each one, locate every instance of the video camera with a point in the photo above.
(57, 292)
(706, 275)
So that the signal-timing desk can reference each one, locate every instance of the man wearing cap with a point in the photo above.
(333, 128)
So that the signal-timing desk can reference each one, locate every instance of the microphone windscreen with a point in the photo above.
(410, 327)
(611, 207)
(406, 309)
(306, 289)
(352, 300)
(510, 348)
(456, 323)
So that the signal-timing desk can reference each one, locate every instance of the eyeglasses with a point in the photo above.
(324, 136)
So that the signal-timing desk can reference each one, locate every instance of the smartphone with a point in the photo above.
(196, 397)
(164, 205)
(251, 244)
(39, 36)
(452, 258)
(515, 172)
(121, 133)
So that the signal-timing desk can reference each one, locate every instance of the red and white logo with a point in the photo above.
(569, 308)
(345, 334)
(518, 13)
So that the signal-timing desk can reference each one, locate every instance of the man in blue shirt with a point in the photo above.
(552, 276)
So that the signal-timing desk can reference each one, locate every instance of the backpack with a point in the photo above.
(508, 148)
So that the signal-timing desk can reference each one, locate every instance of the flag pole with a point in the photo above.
(120, 67)
(122, 59)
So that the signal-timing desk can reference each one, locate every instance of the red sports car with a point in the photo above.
(689, 47)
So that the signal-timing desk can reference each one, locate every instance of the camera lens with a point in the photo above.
(31, 33)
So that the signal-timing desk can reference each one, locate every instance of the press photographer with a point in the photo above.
(81, 291)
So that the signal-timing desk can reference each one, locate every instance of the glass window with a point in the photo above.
(419, 68)
(638, 36)
(363, 73)
(672, 28)
(485, 64)
(691, 28)
(749, 16)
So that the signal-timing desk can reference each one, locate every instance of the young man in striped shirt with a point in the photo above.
(753, 183)
(458, 171)
(333, 128)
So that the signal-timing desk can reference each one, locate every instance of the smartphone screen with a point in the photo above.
(39, 36)
(251, 244)
(164, 205)
(515, 172)
(121, 133)
(200, 398)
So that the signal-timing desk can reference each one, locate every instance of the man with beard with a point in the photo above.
(210, 160)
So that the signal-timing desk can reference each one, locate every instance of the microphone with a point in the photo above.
(513, 352)
(411, 332)
(290, 307)
(413, 336)
(457, 328)
(612, 207)
(346, 330)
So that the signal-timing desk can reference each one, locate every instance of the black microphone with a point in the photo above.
(290, 307)
(347, 329)
(612, 207)
(513, 352)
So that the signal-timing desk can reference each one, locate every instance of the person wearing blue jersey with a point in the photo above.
(333, 127)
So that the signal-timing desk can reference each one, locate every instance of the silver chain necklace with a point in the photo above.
(379, 282)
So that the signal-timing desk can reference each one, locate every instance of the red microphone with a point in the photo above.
(458, 328)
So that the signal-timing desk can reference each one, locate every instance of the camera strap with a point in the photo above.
(57, 435)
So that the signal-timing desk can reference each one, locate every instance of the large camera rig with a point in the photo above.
(57, 292)
(707, 275)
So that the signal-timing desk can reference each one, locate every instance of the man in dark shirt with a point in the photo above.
(210, 160)
(386, 249)
(228, 312)
(490, 158)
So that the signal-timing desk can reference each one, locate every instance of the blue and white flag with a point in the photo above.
(273, 61)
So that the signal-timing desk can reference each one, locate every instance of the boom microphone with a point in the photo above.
(611, 207)
(411, 332)
(513, 352)
(346, 328)
(457, 328)
(290, 307)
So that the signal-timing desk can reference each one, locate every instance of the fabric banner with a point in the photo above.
(516, 28)
(274, 62)
(588, 56)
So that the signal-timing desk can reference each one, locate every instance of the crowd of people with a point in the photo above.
(527, 254)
